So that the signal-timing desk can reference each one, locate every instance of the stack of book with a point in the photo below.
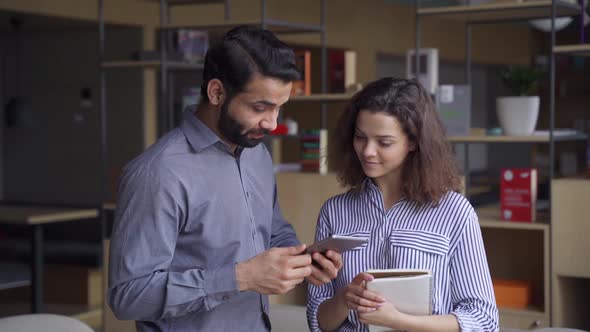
(314, 143)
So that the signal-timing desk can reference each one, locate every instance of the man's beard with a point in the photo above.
(232, 129)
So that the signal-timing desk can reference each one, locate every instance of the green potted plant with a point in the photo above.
(518, 113)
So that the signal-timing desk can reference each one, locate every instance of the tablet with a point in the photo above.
(339, 243)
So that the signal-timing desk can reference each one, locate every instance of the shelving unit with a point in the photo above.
(527, 245)
(515, 250)
(166, 119)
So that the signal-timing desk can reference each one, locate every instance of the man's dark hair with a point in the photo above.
(429, 171)
(244, 51)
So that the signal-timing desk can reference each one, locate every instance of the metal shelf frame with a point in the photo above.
(166, 115)
(551, 9)
(165, 108)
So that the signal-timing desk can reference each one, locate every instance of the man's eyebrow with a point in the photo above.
(265, 102)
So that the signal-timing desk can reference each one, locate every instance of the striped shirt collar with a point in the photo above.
(374, 193)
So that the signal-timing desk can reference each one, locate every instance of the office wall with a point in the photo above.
(54, 158)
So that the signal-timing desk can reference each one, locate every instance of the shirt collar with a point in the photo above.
(371, 189)
(197, 133)
(200, 136)
(369, 185)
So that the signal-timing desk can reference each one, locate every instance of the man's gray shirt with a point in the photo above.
(188, 210)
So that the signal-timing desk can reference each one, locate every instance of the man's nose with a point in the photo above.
(270, 122)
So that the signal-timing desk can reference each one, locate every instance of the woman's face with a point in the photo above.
(380, 144)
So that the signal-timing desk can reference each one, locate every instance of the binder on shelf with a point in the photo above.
(410, 290)
(454, 108)
(518, 194)
(341, 70)
(314, 145)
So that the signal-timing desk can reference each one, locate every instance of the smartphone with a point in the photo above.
(339, 243)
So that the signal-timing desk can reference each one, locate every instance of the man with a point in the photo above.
(199, 239)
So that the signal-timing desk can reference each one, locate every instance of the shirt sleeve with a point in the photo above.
(149, 214)
(474, 303)
(283, 234)
(318, 294)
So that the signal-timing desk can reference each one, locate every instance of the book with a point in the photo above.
(302, 87)
(314, 146)
(454, 108)
(409, 290)
(518, 194)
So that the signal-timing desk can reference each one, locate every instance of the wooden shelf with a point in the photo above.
(515, 139)
(273, 25)
(501, 11)
(489, 217)
(173, 65)
(30, 215)
(326, 97)
(479, 189)
(582, 49)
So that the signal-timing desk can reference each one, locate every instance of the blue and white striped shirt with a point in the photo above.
(445, 239)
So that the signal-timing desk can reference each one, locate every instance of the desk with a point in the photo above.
(35, 217)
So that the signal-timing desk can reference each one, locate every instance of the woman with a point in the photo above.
(391, 151)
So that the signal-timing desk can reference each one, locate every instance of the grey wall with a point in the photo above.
(55, 158)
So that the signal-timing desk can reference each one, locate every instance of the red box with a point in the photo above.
(518, 194)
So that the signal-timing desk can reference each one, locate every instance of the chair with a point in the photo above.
(42, 323)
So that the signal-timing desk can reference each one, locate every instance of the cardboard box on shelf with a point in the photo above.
(512, 293)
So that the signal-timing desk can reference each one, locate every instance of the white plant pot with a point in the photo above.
(518, 115)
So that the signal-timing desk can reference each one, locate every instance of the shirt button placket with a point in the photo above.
(383, 227)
